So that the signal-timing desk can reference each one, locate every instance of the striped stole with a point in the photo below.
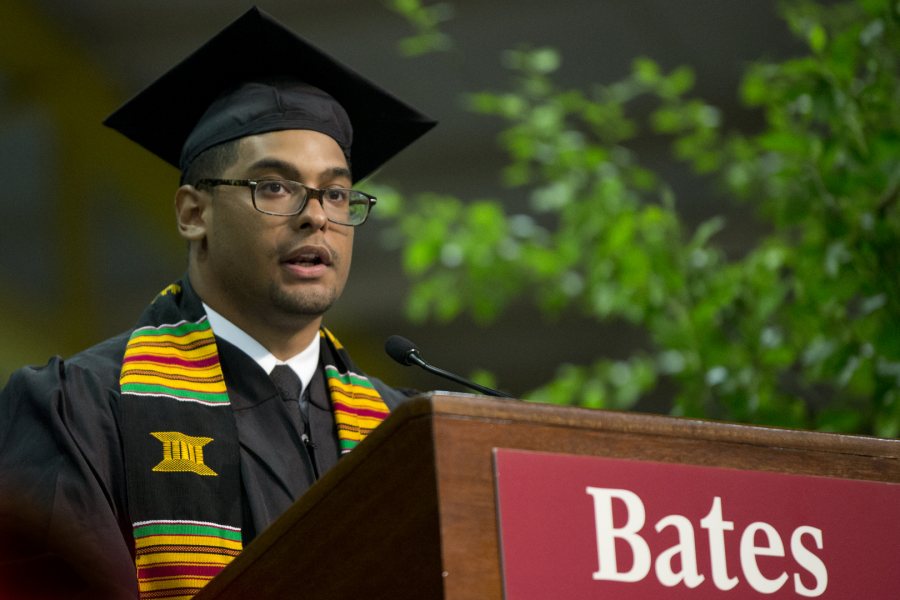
(357, 406)
(177, 361)
(176, 404)
(181, 446)
(176, 558)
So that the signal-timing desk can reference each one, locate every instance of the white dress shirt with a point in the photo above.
(304, 364)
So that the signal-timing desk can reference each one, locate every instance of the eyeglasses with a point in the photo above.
(282, 197)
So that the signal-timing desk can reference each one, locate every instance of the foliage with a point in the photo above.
(425, 21)
(802, 331)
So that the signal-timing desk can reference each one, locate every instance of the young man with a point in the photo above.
(165, 450)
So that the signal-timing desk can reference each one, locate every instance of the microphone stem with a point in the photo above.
(414, 357)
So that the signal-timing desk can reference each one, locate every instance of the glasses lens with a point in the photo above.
(347, 207)
(279, 196)
(358, 209)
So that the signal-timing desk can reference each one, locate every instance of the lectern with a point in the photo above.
(413, 511)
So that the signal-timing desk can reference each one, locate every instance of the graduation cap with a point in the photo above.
(256, 76)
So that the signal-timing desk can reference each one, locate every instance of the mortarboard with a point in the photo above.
(164, 117)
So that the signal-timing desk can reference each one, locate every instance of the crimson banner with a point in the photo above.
(575, 527)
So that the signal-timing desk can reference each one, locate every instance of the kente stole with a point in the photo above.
(184, 499)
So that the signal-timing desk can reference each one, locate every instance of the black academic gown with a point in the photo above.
(61, 463)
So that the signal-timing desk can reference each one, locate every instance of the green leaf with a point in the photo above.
(817, 38)
(544, 60)
(646, 71)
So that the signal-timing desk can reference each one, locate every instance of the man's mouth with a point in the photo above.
(306, 260)
(309, 256)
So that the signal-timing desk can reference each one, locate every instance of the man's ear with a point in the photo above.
(192, 212)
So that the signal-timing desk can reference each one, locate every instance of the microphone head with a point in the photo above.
(400, 349)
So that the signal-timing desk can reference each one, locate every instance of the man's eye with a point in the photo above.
(272, 188)
(337, 195)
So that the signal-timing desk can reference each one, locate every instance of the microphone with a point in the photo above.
(406, 353)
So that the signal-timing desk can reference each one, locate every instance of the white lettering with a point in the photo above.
(607, 534)
(749, 552)
(716, 526)
(683, 554)
(809, 561)
(685, 548)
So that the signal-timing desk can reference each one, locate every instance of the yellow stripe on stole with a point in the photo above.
(181, 597)
(355, 421)
(140, 373)
(324, 332)
(153, 363)
(186, 540)
(215, 386)
(358, 396)
(149, 585)
(207, 351)
(180, 340)
(351, 432)
(189, 558)
(190, 343)
(360, 422)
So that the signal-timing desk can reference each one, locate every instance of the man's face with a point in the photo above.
(270, 270)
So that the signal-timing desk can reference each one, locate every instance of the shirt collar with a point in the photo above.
(304, 364)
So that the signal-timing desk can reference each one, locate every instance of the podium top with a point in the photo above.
(500, 410)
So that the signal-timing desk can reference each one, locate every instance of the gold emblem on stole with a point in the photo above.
(182, 453)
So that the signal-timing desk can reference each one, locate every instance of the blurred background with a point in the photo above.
(87, 233)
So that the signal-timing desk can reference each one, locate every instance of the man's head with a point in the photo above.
(283, 270)
(265, 272)
(277, 271)
(255, 103)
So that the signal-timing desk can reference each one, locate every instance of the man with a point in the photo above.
(167, 449)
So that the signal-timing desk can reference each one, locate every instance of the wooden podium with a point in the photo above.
(411, 513)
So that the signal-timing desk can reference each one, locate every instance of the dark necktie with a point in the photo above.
(289, 386)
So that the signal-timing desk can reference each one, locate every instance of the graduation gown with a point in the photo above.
(61, 459)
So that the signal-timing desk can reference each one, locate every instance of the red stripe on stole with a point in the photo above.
(145, 573)
(171, 360)
(361, 412)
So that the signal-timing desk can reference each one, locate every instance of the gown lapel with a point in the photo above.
(273, 469)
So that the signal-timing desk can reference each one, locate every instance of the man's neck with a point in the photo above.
(283, 342)
(303, 364)
(284, 338)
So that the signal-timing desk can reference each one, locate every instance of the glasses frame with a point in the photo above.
(311, 192)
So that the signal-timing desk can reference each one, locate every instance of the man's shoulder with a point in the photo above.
(104, 358)
(96, 367)
(393, 397)
(65, 401)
